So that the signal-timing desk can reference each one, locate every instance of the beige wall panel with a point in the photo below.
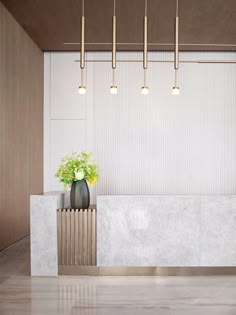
(21, 121)
(35, 122)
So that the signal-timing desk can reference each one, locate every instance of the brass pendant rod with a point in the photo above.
(145, 78)
(82, 57)
(114, 42)
(177, 8)
(82, 7)
(176, 77)
(114, 37)
(82, 76)
(176, 57)
(113, 77)
(145, 43)
(176, 42)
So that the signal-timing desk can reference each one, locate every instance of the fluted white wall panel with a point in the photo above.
(66, 103)
(160, 143)
(66, 137)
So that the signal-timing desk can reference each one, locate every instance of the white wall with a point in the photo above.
(154, 144)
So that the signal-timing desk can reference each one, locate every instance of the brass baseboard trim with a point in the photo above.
(145, 271)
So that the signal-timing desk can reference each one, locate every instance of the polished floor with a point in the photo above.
(20, 294)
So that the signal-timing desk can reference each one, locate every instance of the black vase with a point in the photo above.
(79, 195)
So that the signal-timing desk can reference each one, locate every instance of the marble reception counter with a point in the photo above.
(143, 231)
(166, 230)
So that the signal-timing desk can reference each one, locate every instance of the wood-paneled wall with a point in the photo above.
(21, 127)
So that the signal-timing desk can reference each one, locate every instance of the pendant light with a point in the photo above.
(113, 88)
(82, 87)
(175, 89)
(144, 89)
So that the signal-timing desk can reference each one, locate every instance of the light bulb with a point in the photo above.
(175, 90)
(82, 89)
(113, 89)
(144, 90)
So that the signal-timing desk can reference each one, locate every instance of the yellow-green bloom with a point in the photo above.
(92, 181)
(79, 175)
(77, 167)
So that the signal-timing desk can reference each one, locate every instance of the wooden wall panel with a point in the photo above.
(21, 120)
(35, 121)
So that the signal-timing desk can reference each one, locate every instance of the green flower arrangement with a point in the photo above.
(77, 167)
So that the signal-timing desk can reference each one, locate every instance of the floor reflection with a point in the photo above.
(118, 295)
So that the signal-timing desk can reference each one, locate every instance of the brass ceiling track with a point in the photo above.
(165, 61)
(157, 44)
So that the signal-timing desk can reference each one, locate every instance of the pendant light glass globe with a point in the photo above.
(113, 89)
(82, 90)
(144, 90)
(175, 90)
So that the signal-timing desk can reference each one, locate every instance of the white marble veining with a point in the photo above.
(43, 233)
(166, 230)
(218, 230)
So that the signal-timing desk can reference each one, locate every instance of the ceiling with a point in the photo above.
(204, 24)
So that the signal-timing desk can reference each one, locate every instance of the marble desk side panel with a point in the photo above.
(43, 226)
